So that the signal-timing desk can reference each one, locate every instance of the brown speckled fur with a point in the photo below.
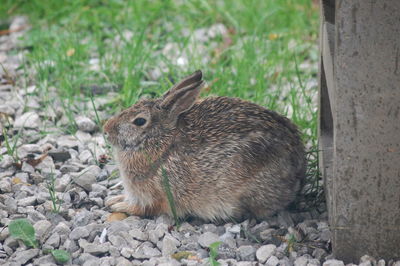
(224, 157)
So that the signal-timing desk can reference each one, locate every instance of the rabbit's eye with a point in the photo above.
(139, 121)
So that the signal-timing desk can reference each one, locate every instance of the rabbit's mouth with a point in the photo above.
(125, 146)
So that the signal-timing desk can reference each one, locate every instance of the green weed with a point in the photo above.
(23, 230)
(170, 196)
(214, 253)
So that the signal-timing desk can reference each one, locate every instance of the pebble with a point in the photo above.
(93, 248)
(169, 245)
(6, 161)
(272, 261)
(301, 261)
(42, 229)
(86, 177)
(206, 239)
(5, 186)
(246, 253)
(22, 257)
(333, 262)
(79, 232)
(265, 252)
(59, 155)
(27, 201)
(85, 124)
(27, 120)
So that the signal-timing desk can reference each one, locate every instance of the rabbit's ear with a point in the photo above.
(181, 100)
(195, 77)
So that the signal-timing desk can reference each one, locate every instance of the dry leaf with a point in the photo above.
(16, 180)
(70, 52)
(184, 255)
(35, 162)
(273, 36)
(116, 216)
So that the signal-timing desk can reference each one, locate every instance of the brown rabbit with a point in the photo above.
(223, 157)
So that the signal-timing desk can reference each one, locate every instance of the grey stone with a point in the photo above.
(53, 241)
(7, 161)
(82, 218)
(79, 232)
(85, 124)
(94, 248)
(107, 261)
(206, 239)
(28, 201)
(87, 177)
(61, 183)
(26, 149)
(121, 261)
(35, 215)
(27, 120)
(313, 262)
(70, 246)
(285, 262)
(226, 252)
(381, 263)
(68, 141)
(158, 232)
(149, 252)
(6, 109)
(264, 252)
(139, 235)
(24, 256)
(319, 253)
(301, 261)
(44, 260)
(4, 233)
(366, 259)
(169, 245)
(11, 204)
(333, 262)
(42, 229)
(272, 261)
(26, 167)
(127, 252)
(92, 262)
(59, 155)
(5, 186)
(68, 168)
(234, 229)
(118, 241)
(85, 156)
(325, 235)
(246, 253)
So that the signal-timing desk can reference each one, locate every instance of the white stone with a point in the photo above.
(85, 124)
(264, 252)
(333, 262)
(28, 120)
(206, 239)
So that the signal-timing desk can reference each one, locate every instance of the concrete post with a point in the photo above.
(360, 125)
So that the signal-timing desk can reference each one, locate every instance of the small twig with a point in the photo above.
(6, 32)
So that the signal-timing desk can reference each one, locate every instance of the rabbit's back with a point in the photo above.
(240, 153)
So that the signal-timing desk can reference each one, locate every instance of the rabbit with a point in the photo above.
(223, 158)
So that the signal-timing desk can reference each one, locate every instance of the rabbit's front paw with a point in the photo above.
(119, 204)
(113, 200)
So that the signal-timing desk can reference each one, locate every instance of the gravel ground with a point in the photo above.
(79, 170)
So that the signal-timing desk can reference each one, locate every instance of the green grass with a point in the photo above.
(269, 56)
